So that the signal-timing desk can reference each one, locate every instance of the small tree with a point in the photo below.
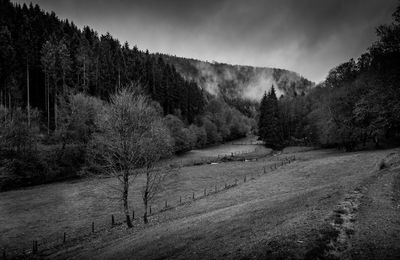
(20, 163)
(16, 136)
(156, 145)
(78, 114)
(118, 147)
(183, 140)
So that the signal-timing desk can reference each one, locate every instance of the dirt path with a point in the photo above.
(377, 226)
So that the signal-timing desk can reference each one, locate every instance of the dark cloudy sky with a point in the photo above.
(306, 36)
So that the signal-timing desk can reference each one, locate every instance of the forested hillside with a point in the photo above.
(56, 84)
(240, 86)
(48, 55)
(236, 81)
(357, 104)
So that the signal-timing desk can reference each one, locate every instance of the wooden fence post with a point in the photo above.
(180, 199)
(64, 237)
(93, 227)
(150, 210)
(193, 196)
(166, 204)
(113, 220)
(34, 247)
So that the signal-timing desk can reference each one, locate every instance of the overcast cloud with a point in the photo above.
(306, 36)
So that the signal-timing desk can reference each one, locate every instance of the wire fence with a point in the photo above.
(95, 227)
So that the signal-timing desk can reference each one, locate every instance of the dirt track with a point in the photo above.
(298, 211)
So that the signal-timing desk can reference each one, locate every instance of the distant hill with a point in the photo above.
(236, 81)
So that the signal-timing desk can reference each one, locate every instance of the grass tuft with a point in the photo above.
(382, 164)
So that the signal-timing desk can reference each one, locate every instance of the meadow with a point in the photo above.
(292, 200)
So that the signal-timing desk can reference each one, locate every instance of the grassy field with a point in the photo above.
(45, 212)
(284, 212)
(238, 147)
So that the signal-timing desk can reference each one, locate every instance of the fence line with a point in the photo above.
(167, 206)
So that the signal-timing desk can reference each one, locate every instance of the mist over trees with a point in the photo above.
(357, 104)
(232, 82)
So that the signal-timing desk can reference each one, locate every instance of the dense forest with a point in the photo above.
(59, 84)
(55, 79)
(356, 106)
(47, 55)
(240, 86)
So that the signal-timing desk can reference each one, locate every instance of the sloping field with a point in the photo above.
(279, 214)
(45, 212)
(282, 213)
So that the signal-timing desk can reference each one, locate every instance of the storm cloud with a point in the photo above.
(309, 36)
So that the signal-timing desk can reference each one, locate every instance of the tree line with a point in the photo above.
(42, 56)
(356, 106)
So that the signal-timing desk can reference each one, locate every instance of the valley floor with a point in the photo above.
(325, 204)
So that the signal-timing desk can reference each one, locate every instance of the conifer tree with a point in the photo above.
(262, 119)
(269, 120)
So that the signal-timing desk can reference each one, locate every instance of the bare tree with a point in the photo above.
(158, 144)
(118, 147)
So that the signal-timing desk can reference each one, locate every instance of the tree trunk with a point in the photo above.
(9, 100)
(146, 203)
(46, 102)
(48, 107)
(97, 74)
(145, 220)
(28, 104)
(376, 141)
(63, 86)
(365, 140)
(84, 73)
(125, 199)
(146, 197)
(55, 105)
(119, 79)
(45, 90)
